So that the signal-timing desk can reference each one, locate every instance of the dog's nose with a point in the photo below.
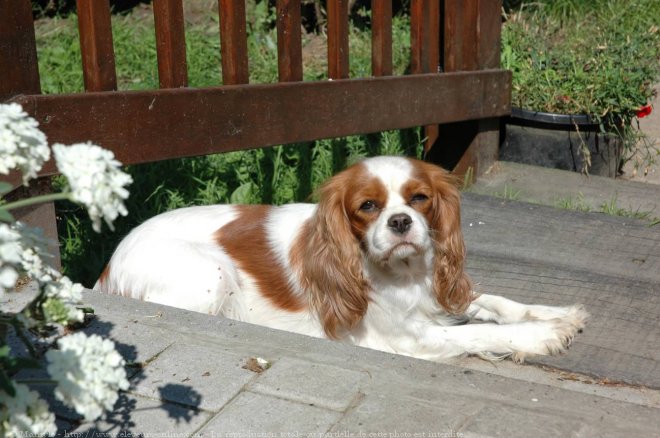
(399, 223)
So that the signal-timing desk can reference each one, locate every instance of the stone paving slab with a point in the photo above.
(138, 416)
(326, 386)
(216, 376)
(255, 415)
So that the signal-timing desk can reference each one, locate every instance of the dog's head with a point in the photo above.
(388, 216)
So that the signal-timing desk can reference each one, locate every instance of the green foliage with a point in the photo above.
(277, 175)
(576, 203)
(598, 57)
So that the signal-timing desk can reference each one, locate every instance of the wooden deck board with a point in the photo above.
(541, 255)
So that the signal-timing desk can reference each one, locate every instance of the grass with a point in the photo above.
(597, 57)
(610, 207)
(508, 193)
(576, 203)
(277, 175)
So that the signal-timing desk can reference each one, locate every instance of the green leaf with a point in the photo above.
(5, 187)
(5, 216)
(6, 384)
(243, 194)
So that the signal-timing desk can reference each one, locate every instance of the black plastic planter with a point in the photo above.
(556, 140)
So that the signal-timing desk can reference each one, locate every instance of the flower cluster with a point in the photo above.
(25, 414)
(95, 179)
(87, 371)
(22, 144)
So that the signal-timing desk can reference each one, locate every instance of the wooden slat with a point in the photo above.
(233, 42)
(471, 41)
(576, 265)
(289, 41)
(19, 70)
(489, 32)
(425, 48)
(98, 56)
(338, 39)
(381, 37)
(462, 33)
(424, 36)
(180, 122)
(170, 43)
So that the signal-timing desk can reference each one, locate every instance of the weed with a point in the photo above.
(573, 203)
(611, 208)
(509, 193)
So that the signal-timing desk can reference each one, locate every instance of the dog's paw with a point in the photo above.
(552, 337)
(549, 313)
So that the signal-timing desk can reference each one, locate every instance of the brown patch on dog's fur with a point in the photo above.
(104, 274)
(245, 239)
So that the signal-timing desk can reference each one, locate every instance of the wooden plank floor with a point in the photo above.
(537, 254)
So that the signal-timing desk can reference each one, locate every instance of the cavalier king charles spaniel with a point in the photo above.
(379, 262)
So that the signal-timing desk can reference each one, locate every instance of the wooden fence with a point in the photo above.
(455, 88)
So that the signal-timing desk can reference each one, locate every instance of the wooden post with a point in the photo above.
(19, 73)
(471, 42)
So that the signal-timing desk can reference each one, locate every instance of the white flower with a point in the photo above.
(10, 257)
(8, 278)
(34, 252)
(69, 294)
(23, 249)
(89, 372)
(22, 144)
(25, 415)
(10, 244)
(95, 180)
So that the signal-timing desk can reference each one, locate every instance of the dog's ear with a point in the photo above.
(451, 283)
(332, 263)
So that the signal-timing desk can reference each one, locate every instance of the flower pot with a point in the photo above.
(558, 141)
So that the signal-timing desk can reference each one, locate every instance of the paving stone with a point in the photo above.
(512, 421)
(259, 415)
(135, 342)
(398, 414)
(135, 416)
(193, 375)
(307, 382)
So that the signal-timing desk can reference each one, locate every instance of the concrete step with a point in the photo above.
(570, 190)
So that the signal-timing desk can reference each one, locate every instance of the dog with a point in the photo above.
(379, 262)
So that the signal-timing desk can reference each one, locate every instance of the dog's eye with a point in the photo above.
(419, 197)
(369, 206)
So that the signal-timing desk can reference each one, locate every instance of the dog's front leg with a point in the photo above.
(504, 311)
(517, 340)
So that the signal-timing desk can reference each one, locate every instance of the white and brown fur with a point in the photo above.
(378, 262)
